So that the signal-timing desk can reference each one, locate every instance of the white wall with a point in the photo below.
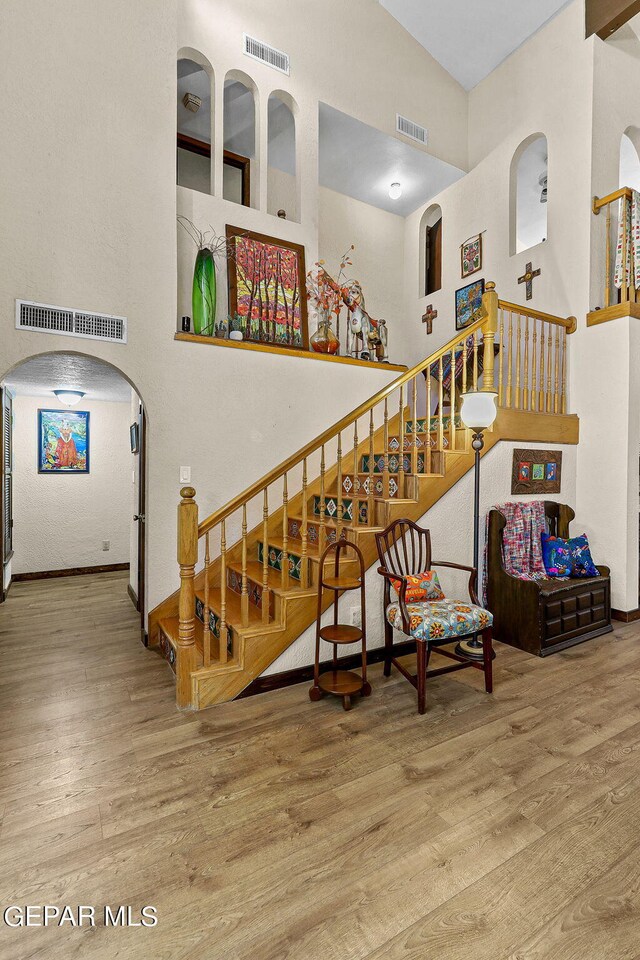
(60, 521)
(451, 525)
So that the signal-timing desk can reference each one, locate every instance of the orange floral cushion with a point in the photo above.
(423, 586)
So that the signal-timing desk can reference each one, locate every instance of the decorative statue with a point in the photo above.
(366, 337)
(371, 333)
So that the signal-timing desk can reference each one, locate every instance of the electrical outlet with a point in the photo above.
(106, 544)
(355, 617)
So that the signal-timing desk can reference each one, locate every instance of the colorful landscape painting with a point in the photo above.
(63, 441)
(266, 288)
(468, 300)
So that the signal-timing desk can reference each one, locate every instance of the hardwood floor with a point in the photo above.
(503, 826)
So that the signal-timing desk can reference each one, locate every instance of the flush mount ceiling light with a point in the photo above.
(69, 397)
(192, 102)
(395, 190)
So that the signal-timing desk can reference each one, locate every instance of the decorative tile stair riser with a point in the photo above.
(275, 560)
(394, 463)
(254, 589)
(214, 624)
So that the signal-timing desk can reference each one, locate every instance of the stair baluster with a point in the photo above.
(265, 558)
(525, 384)
(304, 564)
(355, 502)
(244, 598)
(452, 402)
(372, 453)
(563, 408)
(414, 416)
(427, 455)
(475, 360)
(533, 402)
(440, 406)
(206, 628)
(401, 491)
(223, 593)
(322, 534)
(501, 361)
(549, 345)
(340, 504)
(541, 404)
(556, 401)
(509, 358)
(518, 357)
(385, 470)
(284, 563)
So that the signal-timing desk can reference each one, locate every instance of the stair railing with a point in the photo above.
(625, 292)
(414, 420)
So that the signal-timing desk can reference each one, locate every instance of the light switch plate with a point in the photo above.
(185, 474)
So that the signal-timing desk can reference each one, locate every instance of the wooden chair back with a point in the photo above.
(404, 548)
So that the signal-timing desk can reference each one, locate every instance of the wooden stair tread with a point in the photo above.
(233, 608)
(341, 633)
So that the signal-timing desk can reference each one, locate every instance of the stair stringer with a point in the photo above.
(260, 648)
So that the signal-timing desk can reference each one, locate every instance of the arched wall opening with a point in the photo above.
(528, 194)
(629, 167)
(241, 167)
(73, 473)
(194, 121)
(283, 191)
(430, 260)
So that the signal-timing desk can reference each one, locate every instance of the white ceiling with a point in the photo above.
(469, 38)
(362, 162)
(42, 375)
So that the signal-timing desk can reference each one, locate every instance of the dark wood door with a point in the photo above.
(433, 258)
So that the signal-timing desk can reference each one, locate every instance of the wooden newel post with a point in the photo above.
(187, 558)
(489, 330)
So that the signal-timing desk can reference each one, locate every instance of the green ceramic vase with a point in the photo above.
(203, 298)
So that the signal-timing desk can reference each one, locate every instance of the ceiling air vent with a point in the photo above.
(258, 50)
(410, 129)
(44, 318)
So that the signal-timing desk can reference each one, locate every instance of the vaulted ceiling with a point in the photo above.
(470, 38)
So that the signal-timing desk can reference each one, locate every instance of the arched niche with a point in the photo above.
(282, 160)
(629, 172)
(240, 163)
(528, 194)
(194, 121)
(430, 260)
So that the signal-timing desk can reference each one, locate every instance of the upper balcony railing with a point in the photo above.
(621, 266)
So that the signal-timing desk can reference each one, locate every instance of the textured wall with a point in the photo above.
(61, 521)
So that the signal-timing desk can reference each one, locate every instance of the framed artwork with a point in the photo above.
(134, 438)
(468, 300)
(267, 288)
(536, 471)
(63, 441)
(471, 256)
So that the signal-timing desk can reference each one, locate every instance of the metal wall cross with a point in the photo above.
(527, 278)
(428, 317)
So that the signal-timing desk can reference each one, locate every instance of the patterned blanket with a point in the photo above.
(629, 220)
(521, 541)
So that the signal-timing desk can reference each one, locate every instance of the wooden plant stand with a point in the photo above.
(341, 683)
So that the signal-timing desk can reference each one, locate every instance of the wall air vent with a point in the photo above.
(43, 318)
(410, 129)
(258, 50)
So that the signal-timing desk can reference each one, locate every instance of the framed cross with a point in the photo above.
(428, 317)
(527, 278)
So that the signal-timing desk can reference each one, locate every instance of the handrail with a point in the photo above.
(256, 488)
(600, 202)
(569, 323)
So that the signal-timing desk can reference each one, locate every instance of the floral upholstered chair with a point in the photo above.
(415, 604)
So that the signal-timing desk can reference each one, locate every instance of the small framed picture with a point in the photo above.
(471, 256)
(550, 473)
(537, 472)
(468, 301)
(134, 438)
(524, 472)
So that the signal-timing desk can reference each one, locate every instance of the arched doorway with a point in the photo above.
(73, 474)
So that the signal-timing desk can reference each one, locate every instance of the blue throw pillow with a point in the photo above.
(556, 556)
(568, 558)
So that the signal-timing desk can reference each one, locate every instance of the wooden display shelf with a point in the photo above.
(342, 683)
(341, 583)
(287, 351)
(341, 633)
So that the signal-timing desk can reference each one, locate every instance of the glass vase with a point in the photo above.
(203, 297)
(324, 339)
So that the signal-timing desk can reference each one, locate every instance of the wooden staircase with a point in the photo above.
(233, 617)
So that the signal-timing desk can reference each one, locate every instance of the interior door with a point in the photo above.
(6, 499)
(433, 258)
